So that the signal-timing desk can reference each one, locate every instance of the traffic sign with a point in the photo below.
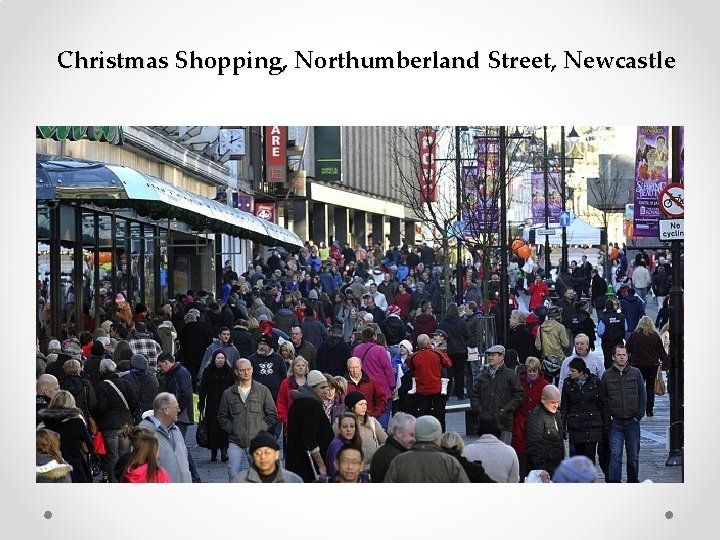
(672, 200)
(565, 218)
(671, 230)
(545, 232)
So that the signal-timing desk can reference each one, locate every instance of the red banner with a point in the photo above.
(427, 173)
(275, 153)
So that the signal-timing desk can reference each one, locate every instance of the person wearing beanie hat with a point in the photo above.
(144, 381)
(372, 434)
(576, 469)
(426, 462)
(309, 431)
(266, 465)
(353, 398)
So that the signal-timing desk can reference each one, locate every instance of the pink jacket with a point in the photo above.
(376, 363)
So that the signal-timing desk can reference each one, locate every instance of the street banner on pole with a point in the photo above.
(651, 176)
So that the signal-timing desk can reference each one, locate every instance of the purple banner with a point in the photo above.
(537, 187)
(651, 176)
(477, 200)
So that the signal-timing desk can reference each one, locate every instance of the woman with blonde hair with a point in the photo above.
(287, 351)
(143, 466)
(299, 368)
(646, 352)
(452, 443)
(50, 467)
(65, 419)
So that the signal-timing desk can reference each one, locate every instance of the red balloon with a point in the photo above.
(517, 244)
(105, 256)
(524, 251)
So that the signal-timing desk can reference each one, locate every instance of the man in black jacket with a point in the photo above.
(544, 444)
(611, 328)
(333, 354)
(625, 398)
(401, 436)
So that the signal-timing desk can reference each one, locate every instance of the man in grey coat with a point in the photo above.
(246, 409)
(173, 452)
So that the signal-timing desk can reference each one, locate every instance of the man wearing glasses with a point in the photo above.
(246, 409)
(266, 467)
(349, 465)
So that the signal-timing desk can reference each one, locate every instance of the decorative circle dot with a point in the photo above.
(669, 514)
(47, 514)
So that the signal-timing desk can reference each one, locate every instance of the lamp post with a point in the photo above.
(573, 136)
(458, 202)
(547, 202)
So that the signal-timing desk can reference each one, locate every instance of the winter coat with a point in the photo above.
(394, 330)
(582, 323)
(427, 365)
(285, 319)
(242, 339)
(538, 293)
(308, 429)
(49, 470)
(633, 308)
(426, 463)
(111, 412)
(376, 363)
(372, 435)
(284, 400)
(474, 469)
(194, 339)
(282, 476)
(314, 331)
(521, 339)
(332, 356)
(647, 350)
(457, 334)
(613, 327)
(661, 283)
(214, 382)
(173, 452)
(382, 457)
(308, 351)
(70, 425)
(231, 354)
(179, 383)
(501, 394)
(270, 371)
(554, 339)
(377, 402)
(146, 386)
(624, 390)
(583, 413)
(425, 323)
(533, 391)
(138, 475)
(242, 421)
(82, 390)
(545, 448)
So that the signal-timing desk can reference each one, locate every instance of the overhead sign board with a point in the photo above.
(545, 232)
(672, 230)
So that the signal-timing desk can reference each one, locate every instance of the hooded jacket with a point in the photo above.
(138, 475)
(49, 470)
(394, 329)
(633, 308)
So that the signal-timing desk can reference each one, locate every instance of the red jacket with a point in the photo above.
(533, 390)
(424, 324)
(377, 403)
(538, 293)
(284, 400)
(426, 365)
(138, 475)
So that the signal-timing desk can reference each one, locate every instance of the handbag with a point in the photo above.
(99, 444)
(201, 433)
(659, 383)
(473, 354)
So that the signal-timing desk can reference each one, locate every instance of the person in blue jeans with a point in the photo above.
(625, 398)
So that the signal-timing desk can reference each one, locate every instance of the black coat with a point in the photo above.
(474, 469)
(544, 444)
(146, 388)
(69, 424)
(308, 428)
(582, 410)
(520, 338)
(394, 330)
(111, 412)
(243, 341)
(457, 334)
(82, 390)
(194, 339)
(214, 382)
(332, 356)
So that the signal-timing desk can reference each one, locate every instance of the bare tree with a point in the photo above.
(478, 182)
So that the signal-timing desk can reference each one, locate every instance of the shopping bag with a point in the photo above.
(99, 443)
(659, 383)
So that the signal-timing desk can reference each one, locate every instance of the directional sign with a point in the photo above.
(545, 232)
(565, 218)
(672, 230)
(672, 200)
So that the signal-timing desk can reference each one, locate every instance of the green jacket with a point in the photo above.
(242, 421)
(425, 462)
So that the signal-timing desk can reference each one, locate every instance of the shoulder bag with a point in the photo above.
(659, 383)
(201, 433)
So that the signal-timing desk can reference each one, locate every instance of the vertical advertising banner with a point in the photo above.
(275, 153)
(479, 213)
(537, 187)
(651, 176)
(328, 153)
(682, 154)
(427, 173)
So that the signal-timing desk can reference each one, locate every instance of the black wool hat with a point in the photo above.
(263, 440)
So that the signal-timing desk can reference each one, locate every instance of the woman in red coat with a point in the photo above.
(539, 291)
(296, 378)
(533, 383)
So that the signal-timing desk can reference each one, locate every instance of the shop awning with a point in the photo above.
(115, 186)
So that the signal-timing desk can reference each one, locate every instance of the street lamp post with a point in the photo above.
(504, 318)
(547, 202)
(458, 202)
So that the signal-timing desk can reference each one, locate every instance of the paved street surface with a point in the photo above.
(653, 445)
